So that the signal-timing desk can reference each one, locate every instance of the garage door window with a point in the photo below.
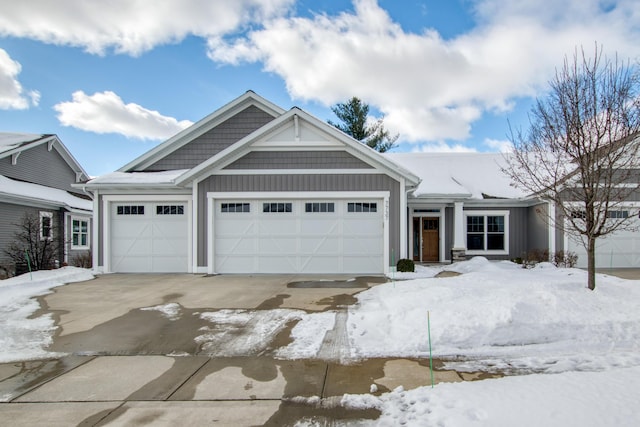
(362, 207)
(235, 207)
(170, 210)
(130, 210)
(313, 207)
(276, 207)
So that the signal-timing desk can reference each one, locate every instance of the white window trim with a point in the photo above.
(486, 213)
(88, 245)
(44, 214)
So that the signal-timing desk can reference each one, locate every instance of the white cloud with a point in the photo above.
(130, 27)
(12, 95)
(430, 88)
(105, 112)
(501, 145)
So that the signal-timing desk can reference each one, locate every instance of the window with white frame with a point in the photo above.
(46, 225)
(79, 233)
(362, 207)
(487, 232)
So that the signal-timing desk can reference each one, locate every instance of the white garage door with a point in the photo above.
(149, 237)
(299, 236)
(618, 250)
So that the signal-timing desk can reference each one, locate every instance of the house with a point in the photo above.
(36, 177)
(254, 188)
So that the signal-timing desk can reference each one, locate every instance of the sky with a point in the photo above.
(114, 79)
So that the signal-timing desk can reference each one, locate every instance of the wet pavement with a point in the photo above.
(126, 366)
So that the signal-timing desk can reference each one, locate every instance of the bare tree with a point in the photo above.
(42, 250)
(581, 149)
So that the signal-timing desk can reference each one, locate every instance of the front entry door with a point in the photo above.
(430, 239)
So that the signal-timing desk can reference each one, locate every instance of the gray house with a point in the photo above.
(36, 177)
(253, 188)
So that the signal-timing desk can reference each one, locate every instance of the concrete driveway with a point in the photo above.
(136, 349)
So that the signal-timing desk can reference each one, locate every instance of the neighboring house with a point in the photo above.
(253, 188)
(36, 177)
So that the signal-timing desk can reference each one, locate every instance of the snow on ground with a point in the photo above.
(23, 338)
(171, 311)
(575, 353)
(502, 312)
(607, 398)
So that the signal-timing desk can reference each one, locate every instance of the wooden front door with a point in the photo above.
(430, 239)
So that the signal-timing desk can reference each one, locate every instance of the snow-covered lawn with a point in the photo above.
(574, 354)
(23, 338)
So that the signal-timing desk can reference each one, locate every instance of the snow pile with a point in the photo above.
(171, 311)
(500, 310)
(22, 337)
(569, 399)
(243, 332)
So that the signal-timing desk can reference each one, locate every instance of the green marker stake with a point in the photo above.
(430, 357)
(26, 254)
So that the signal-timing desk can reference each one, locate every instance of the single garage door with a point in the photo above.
(617, 250)
(149, 237)
(299, 236)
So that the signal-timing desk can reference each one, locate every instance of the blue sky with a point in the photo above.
(114, 79)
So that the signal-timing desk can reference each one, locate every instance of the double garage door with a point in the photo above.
(298, 236)
(149, 237)
(618, 250)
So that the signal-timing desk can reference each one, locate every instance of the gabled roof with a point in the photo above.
(12, 144)
(459, 175)
(293, 118)
(35, 194)
(187, 135)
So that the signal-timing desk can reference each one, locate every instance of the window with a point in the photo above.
(276, 207)
(130, 210)
(487, 232)
(319, 207)
(618, 214)
(170, 210)
(362, 207)
(46, 225)
(235, 207)
(79, 233)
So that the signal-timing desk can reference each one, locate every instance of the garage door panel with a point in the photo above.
(319, 245)
(149, 241)
(321, 227)
(617, 250)
(276, 264)
(277, 227)
(235, 245)
(297, 241)
(321, 264)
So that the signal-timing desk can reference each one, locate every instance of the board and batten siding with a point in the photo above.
(299, 160)
(215, 140)
(41, 166)
(12, 216)
(235, 184)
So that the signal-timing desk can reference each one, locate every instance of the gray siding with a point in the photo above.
(538, 234)
(213, 141)
(41, 166)
(448, 232)
(298, 160)
(10, 218)
(255, 183)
